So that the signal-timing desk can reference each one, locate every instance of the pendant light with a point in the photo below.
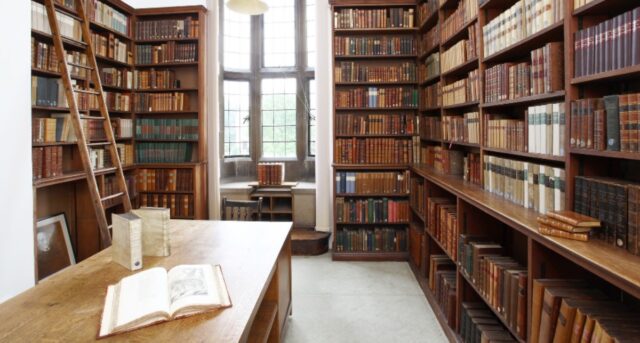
(250, 7)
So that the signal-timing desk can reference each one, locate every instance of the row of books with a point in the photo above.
(531, 185)
(373, 151)
(523, 19)
(47, 91)
(462, 91)
(543, 74)
(374, 45)
(111, 187)
(360, 72)
(59, 128)
(506, 134)
(572, 310)
(546, 129)
(608, 123)
(116, 77)
(167, 28)
(125, 153)
(382, 239)
(499, 279)
(466, 11)
(462, 129)
(429, 40)
(609, 45)
(357, 18)
(377, 97)
(270, 173)
(44, 57)
(372, 182)
(443, 160)
(99, 158)
(164, 180)
(579, 3)
(179, 205)
(108, 16)
(167, 53)
(431, 96)
(155, 79)
(442, 282)
(70, 4)
(115, 101)
(418, 195)
(472, 168)
(176, 101)
(163, 152)
(371, 211)
(479, 324)
(431, 128)
(426, 9)
(615, 203)
(177, 129)
(67, 25)
(461, 52)
(110, 46)
(442, 218)
(431, 67)
(46, 162)
(375, 124)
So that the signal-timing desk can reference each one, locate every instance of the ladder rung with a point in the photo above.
(91, 117)
(112, 196)
(98, 143)
(80, 65)
(86, 91)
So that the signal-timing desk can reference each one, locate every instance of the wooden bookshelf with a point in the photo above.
(68, 193)
(378, 61)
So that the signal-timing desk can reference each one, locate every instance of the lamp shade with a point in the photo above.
(250, 7)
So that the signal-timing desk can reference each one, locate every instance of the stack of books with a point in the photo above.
(567, 224)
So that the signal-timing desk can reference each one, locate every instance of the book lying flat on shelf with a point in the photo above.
(157, 295)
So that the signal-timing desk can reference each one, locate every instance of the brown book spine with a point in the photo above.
(521, 324)
(549, 231)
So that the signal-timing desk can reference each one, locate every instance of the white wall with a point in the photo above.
(164, 3)
(16, 197)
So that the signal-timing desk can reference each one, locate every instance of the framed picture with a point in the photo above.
(53, 246)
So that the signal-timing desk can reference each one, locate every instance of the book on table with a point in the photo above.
(157, 295)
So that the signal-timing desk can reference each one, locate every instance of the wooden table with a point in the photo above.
(256, 263)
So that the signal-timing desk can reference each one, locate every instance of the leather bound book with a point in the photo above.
(599, 130)
(625, 134)
(551, 307)
(611, 104)
(550, 231)
(633, 219)
(556, 70)
(521, 320)
(621, 215)
(577, 47)
(573, 138)
(573, 218)
(634, 118)
(538, 288)
(560, 225)
(589, 124)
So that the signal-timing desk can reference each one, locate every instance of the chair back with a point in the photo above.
(243, 210)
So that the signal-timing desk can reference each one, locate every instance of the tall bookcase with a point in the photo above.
(476, 211)
(373, 136)
(65, 189)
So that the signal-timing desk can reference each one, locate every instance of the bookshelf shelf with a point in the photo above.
(172, 64)
(369, 256)
(429, 51)
(497, 4)
(160, 90)
(43, 72)
(440, 245)
(523, 47)
(371, 166)
(431, 109)
(166, 140)
(460, 143)
(461, 33)
(388, 30)
(51, 109)
(461, 105)
(430, 80)
(376, 108)
(69, 43)
(164, 40)
(165, 112)
(166, 192)
(497, 314)
(609, 76)
(116, 88)
(372, 195)
(634, 156)
(112, 61)
(381, 83)
(597, 7)
(370, 224)
(533, 99)
(374, 57)
(462, 69)
(339, 135)
(448, 4)
(428, 23)
(540, 157)
(418, 214)
(100, 27)
(601, 259)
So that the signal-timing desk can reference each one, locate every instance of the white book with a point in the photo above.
(562, 120)
(525, 185)
(126, 248)
(556, 129)
(557, 194)
(156, 240)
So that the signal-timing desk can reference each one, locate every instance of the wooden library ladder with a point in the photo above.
(83, 145)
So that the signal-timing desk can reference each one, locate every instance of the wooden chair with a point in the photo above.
(243, 210)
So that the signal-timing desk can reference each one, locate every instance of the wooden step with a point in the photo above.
(309, 242)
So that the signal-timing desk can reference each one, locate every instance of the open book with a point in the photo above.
(155, 295)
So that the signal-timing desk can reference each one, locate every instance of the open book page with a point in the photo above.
(143, 298)
(193, 288)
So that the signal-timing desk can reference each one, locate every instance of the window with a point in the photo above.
(236, 118)
(267, 87)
